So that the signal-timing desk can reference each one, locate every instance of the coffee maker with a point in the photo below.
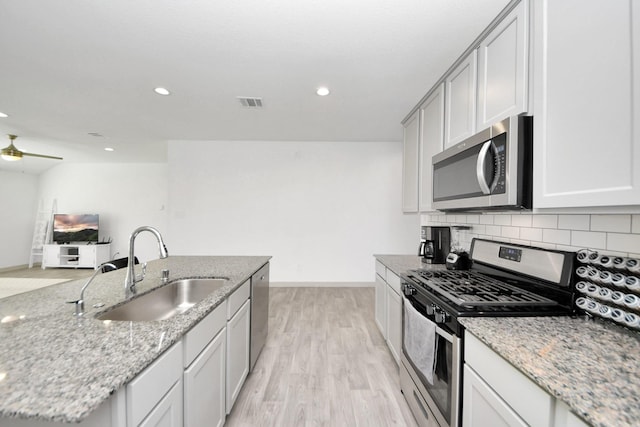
(435, 244)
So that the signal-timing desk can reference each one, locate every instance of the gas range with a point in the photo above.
(504, 280)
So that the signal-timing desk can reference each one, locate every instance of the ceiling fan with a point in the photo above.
(11, 153)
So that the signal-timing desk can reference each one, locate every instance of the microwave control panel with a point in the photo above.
(500, 156)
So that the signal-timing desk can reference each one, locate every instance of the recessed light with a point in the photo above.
(323, 91)
(3, 115)
(162, 91)
(108, 149)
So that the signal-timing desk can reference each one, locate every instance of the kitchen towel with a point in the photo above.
(419, 340)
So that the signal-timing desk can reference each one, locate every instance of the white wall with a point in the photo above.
(321, 209)
(18, 207)
(125, 195)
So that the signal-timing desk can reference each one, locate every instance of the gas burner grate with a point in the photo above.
(471, 289)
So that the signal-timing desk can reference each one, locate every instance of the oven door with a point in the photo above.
(443, 394)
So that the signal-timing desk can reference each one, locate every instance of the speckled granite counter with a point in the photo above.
(592, 366)
(56, 367)
(400, 264)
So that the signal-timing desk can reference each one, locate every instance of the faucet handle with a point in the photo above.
(143, 274)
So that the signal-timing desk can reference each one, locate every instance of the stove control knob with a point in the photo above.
(430, 309)
(408, 290)
(440, 316)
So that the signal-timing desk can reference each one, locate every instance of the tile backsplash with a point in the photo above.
(614, 234)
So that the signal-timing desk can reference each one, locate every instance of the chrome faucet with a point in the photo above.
(131, 279)
(80, 302)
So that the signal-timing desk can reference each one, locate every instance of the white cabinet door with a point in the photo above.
(204, 386)
(431, 143)
(87, 256)
(565, 418)
(394, 323)
(503, 69)
(587, 126)
(150, 388)
(50, 255)
(381, 305)
(168, 413)
(483, 407)
(238, 334)
(410, 165)
(460, 112)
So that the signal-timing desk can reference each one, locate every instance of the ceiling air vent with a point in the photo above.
(250, 102)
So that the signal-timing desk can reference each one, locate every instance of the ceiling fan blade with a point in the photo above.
(44, 156)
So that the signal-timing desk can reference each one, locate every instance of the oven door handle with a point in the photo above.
(444, 334)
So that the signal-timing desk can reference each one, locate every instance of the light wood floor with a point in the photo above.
(324, 364)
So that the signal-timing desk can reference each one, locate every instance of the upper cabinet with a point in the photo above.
(586, 103)
(461, 87)
(431, 143)
(410, 165)
(503, 69)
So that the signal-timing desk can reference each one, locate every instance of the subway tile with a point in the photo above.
(479, 228)
(545, 221)
(589, 239)
(533, 234)
(521, 220)
(473, 219)
(573, 222)
(502, 220)
(461, 219)
(545, 245)
(611, 223)
(493, 230)
(623, 242)
(520, 242)
(486, 219)
(635, 224)
(510, 232)
(561, 237)
(568, 248)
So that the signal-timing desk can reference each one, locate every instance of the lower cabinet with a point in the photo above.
(496, 394)
(168, 412)
(388, 309)
(381, 305)
(394, 323)
(153, 396)
(204, 386)
(484, 407)
(238, 334)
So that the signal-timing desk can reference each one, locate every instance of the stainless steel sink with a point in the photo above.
(166, 301)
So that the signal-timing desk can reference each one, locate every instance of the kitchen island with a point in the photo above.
(57, 367)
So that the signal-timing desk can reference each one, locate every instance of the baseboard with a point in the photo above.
(14, 267)
(322, 284)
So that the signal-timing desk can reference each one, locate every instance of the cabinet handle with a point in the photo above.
(424, 411)
(261, 277)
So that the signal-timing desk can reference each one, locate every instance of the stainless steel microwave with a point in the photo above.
(490, 170)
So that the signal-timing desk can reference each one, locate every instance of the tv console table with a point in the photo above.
(75, 255)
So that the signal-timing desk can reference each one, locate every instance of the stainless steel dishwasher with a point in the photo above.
(259, 313)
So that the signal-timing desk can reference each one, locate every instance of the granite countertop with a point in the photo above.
(591, 365)
(400, 264)
(58, 367)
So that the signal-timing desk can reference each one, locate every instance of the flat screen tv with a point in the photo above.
(75, 228)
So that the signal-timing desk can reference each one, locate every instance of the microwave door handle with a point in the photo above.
(482, 158)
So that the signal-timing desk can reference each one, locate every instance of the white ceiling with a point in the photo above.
(71, 67)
